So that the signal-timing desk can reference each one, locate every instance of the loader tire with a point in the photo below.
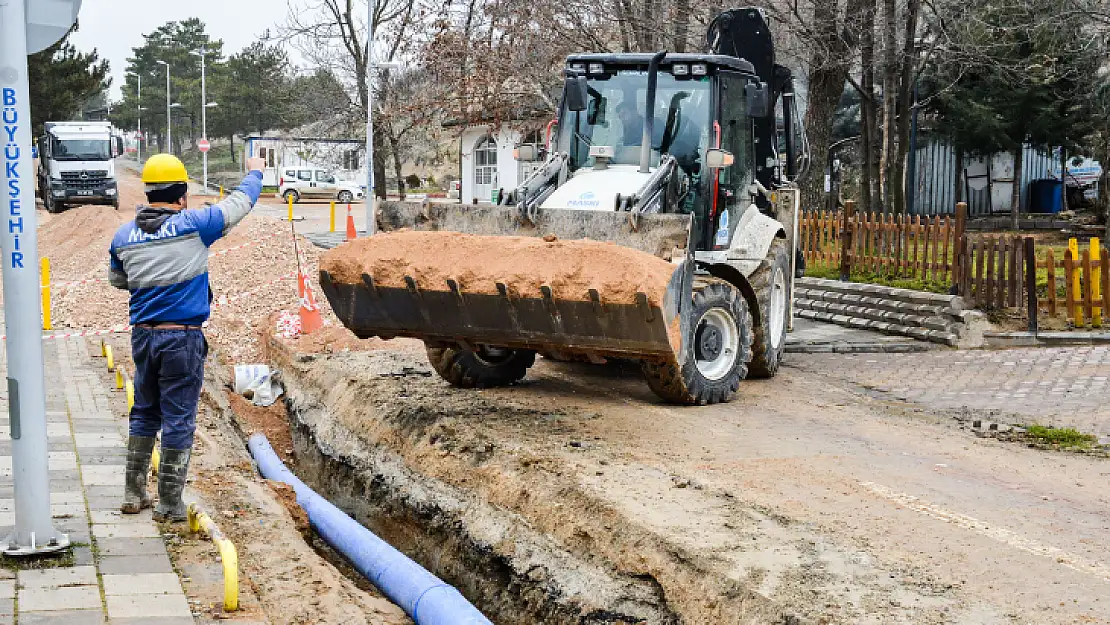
(722, 328)
(488, 368)
(771, 283)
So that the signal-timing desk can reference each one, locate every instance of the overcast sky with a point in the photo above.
(114, 27)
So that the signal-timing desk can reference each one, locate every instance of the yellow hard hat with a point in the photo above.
(164, 169)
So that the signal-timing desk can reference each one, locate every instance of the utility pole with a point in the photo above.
(371, 197)
(139, 116)
(34, 532)
(169, 123)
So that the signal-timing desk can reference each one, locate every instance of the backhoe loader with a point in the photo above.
(688, 158)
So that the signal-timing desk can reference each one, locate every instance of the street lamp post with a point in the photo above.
(371, 198)
(204, 106)
(139, 116)
(169, 124)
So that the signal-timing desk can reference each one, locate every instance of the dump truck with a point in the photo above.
(76, 166)
(660, 228)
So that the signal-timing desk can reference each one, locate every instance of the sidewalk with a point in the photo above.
(119, 572)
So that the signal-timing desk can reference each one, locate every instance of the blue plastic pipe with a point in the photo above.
(423, 596)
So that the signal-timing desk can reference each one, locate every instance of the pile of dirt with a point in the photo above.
(270, 420)
(523, 264)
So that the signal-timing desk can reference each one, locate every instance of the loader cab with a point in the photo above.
(702, 102)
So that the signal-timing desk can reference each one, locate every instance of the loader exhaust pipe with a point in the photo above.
(649, 112)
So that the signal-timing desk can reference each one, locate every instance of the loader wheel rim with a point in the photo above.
(493, 356)
(715, 343)
(777, 308)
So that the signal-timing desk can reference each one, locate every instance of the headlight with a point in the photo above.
(59, 192)
(680, 69)
(578, 67)
(699, 69)
(597, 68)
(110, 191)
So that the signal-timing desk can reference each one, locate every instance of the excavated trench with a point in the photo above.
(392, 446)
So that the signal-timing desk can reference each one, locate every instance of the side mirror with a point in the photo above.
(117, 147)
(527, 153)
(716, 158)
(575, 93)
(756, 96)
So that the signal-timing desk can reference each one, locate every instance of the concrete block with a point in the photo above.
(918, 333)
(52, 578)
(147, 606)
(64, 617)
(125, 565)
(43, 599)
(142, 584)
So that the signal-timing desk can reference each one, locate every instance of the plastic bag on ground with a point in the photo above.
(257, 383)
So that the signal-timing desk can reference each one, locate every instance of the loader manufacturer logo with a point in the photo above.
(10, 117)
(586, 200)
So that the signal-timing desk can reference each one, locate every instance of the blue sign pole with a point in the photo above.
(34, 532)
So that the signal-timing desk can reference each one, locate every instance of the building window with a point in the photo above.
(485, 164)
(525, 168)
(350, 160)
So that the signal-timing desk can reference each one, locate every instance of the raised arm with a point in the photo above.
(215, 221)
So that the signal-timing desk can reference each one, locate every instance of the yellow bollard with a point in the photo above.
(221, 192)
(229, 556)
(332, 223)
(1096, 282)
(155, 459)
(290, 200)
(103, 349)
(44, 265)
(119, 378)
(111, 360)
(130, 389)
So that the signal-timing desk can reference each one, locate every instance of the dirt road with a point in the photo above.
(838, 507)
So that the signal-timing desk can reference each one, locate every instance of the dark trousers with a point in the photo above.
(169, 373)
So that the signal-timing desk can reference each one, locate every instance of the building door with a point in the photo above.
(485, 169)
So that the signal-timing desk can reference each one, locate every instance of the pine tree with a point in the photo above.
(61, 80)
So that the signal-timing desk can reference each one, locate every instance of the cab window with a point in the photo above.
(323, 176)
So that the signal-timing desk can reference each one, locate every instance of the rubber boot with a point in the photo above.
(171, 482)
(135, 495)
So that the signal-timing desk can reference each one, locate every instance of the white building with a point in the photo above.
(346, 158)
(486, 161)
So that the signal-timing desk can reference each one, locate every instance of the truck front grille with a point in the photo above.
(84, 179)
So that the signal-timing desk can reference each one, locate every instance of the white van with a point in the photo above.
(310, 183)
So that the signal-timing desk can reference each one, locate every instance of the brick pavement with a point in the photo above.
(120, 573)
(1065, 386)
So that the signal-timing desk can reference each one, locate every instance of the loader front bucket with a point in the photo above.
(508, 287)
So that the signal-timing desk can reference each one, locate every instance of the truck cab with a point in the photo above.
(76, 164)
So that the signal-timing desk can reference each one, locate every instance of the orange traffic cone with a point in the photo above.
(352, 234)
(311, 320)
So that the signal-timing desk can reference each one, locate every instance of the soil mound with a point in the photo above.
(523, 264)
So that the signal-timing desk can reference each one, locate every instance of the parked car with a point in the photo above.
(316, 184)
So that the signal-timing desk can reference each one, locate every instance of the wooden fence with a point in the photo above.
(989, 271)
(993, 271)
(1085, 277)
(886, 245)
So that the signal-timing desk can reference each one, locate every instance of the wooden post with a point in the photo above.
(846, 241)
(957, 236)
(1050, 269)
(1073, 275)
(1000, 288)
(1032, 306)
(1106, 280)
(990, 252)
(945, 233)
(1097, 270)
(1086, 288)
(1069, 293)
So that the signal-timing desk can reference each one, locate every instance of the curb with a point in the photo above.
(1045, 339)
(844, 347)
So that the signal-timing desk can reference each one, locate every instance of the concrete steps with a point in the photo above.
(924, 316)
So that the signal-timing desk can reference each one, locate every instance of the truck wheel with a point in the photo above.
(485, 368)
(345, 197)
(291, 194)
(771, 283)
(717, 354)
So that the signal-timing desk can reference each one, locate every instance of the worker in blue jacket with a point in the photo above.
(161, 258)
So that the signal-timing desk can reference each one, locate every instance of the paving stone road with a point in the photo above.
(121, 573)
(1066, 386)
